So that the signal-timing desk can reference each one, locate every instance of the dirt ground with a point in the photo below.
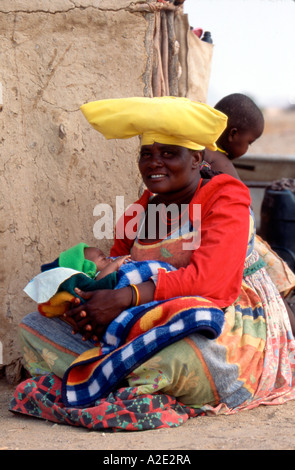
(263, 428)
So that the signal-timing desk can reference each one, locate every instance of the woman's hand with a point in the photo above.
(100, 308)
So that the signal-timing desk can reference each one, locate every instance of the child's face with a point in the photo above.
(239, 141)
(97, 256)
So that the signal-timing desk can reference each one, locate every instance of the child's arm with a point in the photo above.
(113, 266)
(224, 164)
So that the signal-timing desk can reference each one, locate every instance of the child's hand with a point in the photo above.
(117, 262)
(113, 266)
(122, 260)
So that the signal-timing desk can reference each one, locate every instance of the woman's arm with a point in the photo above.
(216, 267)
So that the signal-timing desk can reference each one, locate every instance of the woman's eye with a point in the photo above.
(163, 154)
(145, 155)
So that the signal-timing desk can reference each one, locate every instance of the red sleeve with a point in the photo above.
(216, 267)
(126, 227)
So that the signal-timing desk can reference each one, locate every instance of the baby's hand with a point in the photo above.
(122, 260)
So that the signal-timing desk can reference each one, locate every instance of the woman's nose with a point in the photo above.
(156, 159)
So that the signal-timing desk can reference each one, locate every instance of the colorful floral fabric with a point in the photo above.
(122, 410)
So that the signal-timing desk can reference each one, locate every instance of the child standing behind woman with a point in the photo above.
(245, 125)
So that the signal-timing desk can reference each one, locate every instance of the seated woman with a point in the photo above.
(250, 360)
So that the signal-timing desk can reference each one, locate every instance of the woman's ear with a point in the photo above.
(197, 158)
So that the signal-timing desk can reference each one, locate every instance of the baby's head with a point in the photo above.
(245, 124)
(97, 256)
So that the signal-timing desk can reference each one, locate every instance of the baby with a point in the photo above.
(88, 269)
(80, 266)
(89, 260)
(104, 265)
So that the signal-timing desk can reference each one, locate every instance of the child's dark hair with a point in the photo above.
(242, 112)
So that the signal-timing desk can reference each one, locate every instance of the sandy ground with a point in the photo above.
(263, 428)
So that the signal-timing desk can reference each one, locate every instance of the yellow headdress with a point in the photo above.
(166, 120)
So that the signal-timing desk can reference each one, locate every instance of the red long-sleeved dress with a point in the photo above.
(214, 270)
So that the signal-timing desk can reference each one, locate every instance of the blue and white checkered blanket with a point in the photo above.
(136, 335)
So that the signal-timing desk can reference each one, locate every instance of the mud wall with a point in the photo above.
(54, 168)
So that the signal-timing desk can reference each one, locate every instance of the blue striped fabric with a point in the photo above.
(136, 272)
(119, 358)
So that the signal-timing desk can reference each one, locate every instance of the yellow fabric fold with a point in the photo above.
(167, 120)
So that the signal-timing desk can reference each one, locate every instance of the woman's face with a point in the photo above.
(169, 168)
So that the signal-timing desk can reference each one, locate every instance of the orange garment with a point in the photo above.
(215, 269)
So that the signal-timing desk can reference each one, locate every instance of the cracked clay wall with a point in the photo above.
(54, 168)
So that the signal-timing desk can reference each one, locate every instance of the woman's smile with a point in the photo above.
(157, 176)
